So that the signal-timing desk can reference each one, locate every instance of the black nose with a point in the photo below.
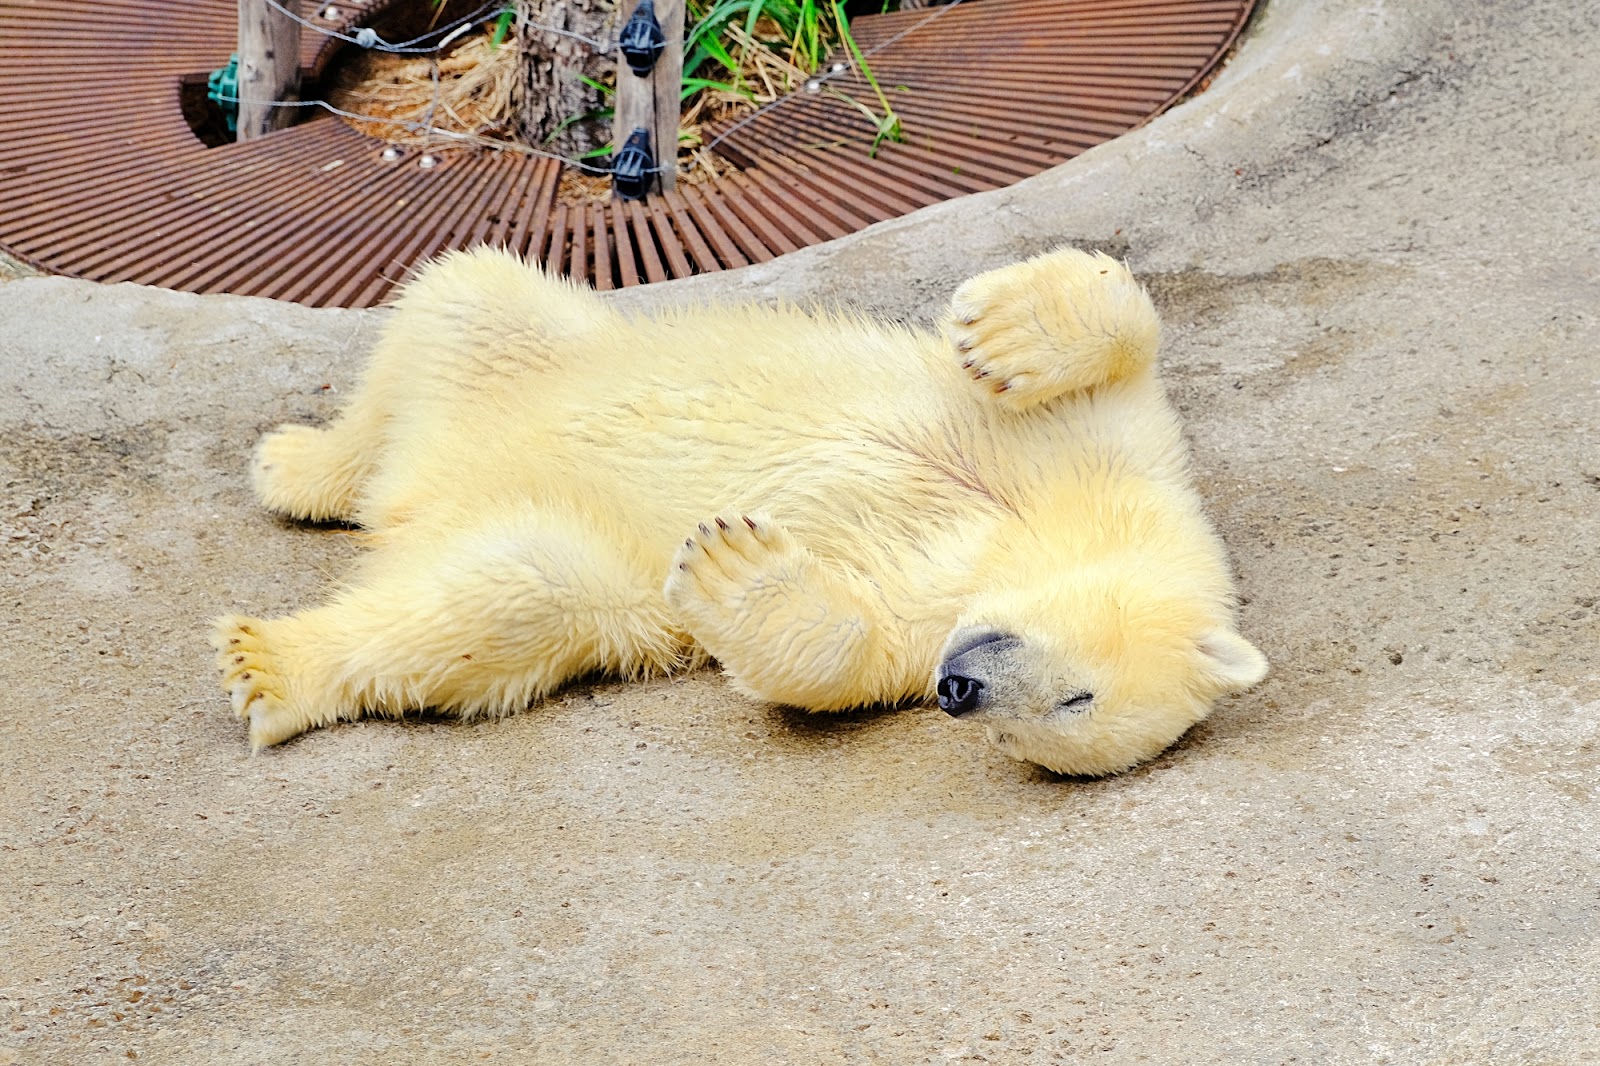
(958, 695)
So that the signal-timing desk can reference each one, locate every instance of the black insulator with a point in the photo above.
(642, 40)
(633, 169)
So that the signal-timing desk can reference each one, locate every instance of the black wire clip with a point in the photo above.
(642, 40)
(633, 170)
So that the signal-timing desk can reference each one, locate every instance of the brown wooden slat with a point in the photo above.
(556, 249)
(705, 260)
(667, 240)
(853, 173)
(754, 221)
(347, 217)
(709, 226)
(94, 207)
(498, 226)
(179, 223)
(726, 221)
(315, 275)
(578, 259)
(768, 216)
(932, 162)
(602, 249)
(627, 267)
(528, 235)
(645, 242)
(232, 265)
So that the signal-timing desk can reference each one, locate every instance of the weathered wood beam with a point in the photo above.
(269, 67)
(652, 102)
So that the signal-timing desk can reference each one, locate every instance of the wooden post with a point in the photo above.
(269, 67)
(653, 102)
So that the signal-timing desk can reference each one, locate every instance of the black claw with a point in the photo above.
(749, 523)
(721, 524)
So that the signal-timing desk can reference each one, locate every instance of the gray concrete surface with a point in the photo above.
(1376, 244)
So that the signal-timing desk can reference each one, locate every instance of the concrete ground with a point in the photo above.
(1376, 241)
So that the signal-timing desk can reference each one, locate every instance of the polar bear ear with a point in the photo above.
(1232, 662)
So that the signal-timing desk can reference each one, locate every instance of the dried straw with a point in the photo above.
(472, 96)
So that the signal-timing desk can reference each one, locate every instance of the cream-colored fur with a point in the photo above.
(840, 512)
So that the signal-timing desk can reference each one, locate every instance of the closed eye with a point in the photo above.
(1077, 703)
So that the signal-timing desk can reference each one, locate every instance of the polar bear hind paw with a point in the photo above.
(1068, 320)
(254, 683)
(306, 473)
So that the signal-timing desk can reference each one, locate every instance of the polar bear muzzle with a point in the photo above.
(979, 671)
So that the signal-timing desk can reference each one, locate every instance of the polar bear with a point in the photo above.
(997, 515)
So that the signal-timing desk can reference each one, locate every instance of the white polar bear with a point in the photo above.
(999, 516)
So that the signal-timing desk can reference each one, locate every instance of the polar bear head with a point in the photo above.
(1094, 672)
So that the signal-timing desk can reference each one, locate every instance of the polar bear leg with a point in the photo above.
(483, 623)
(1056, 323)
(316, 474)
(469, 321)
(786, 627)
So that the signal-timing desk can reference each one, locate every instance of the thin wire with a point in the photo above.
(381, 45)
(600, 47)
(447, 27)
(953, 4)
(378, 44)
(417, 127)
(450, 29)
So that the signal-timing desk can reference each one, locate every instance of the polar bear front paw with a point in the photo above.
(724, 576)
(786, 627)
(1068, 320)
(254, 682)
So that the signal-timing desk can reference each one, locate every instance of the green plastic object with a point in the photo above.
(222, 87)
